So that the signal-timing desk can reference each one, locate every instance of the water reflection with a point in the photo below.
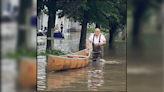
(95, 76)
(41, 73)
(66, 79)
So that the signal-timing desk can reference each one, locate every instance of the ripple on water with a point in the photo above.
(112, 62)
(41, 72)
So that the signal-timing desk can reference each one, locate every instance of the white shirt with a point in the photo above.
(96, 40)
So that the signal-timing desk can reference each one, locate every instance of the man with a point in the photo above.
(61, 26)
(97, 40)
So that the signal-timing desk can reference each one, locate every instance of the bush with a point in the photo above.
(103, 30)
(90, 30)
(52, 52)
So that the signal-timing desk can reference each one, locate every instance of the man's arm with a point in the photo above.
(89, 44)
(104, 41)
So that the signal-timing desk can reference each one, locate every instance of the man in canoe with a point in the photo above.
(97, 40)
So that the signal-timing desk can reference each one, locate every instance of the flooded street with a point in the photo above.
(97, 76)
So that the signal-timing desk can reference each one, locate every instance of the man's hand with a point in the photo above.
(89, 44)
(100, 43)
(89, 47)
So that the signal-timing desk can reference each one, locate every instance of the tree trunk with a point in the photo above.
(97, 26)
(82, 44)
(51, 22)
(124, 33)
(111, 37)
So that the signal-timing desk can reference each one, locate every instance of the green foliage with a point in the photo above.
(117, 31)
(45, 11)
(73, 10)
(40, 6)
(104, 30)
(116, 14)
(52, 52)
(103, 13)
(90, 30)
(110, 14)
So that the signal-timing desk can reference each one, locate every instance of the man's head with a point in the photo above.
(62, 22)
(97, 31)
(56, 24)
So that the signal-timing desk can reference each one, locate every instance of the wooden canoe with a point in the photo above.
(71, 61)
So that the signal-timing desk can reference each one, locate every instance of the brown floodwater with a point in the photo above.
(97, 76)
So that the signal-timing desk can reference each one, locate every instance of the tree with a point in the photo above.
(40, 6)
(97, 26)
(109, 14)
(85, 12)
(53, 6)
(79, 12)
(115, 15)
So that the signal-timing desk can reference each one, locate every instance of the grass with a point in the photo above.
(31, 53)
(52, 52)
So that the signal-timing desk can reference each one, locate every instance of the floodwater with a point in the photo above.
(97, 76)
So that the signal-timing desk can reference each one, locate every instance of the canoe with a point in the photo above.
(71, 61)
(58, 35)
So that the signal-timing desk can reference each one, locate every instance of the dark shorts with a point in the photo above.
(97, 52)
